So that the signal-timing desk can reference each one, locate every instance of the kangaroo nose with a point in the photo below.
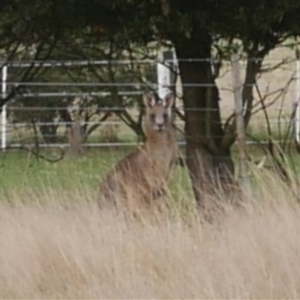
(160, 126)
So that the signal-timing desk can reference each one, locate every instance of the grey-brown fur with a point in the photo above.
(143, 175)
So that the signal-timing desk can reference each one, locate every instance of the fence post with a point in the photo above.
(297, 99)
(4, 110)
(165, 75)
(240, 124)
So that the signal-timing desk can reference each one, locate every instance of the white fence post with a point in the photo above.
(4, 110)
(297, 99)
(165, 74)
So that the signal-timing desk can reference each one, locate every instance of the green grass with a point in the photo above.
(23, 173)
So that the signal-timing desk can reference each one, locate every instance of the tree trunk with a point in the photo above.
(210, 165)
(75, 138)
(73, 133)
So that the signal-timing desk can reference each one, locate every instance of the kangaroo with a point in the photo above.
(143, 175)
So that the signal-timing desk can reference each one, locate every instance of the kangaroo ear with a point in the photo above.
(149, 99)
(169, 100)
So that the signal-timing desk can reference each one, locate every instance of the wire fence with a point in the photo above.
(104, 98)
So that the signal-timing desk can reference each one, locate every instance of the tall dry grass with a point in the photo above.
(65, 250)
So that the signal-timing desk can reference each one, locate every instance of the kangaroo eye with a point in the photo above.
(152, 117)
(165, 115)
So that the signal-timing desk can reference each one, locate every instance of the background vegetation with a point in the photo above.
(56, 243)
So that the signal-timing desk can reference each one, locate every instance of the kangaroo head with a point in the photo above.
(158, 115)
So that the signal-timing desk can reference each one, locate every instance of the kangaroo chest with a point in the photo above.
(160, 160)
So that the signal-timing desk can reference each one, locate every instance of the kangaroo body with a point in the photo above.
(143, 175)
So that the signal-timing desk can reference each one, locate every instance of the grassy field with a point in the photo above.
(56, 243)
(22, 172)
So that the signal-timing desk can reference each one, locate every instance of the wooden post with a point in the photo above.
(76, 137)
(240, 125)
(73, 132)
